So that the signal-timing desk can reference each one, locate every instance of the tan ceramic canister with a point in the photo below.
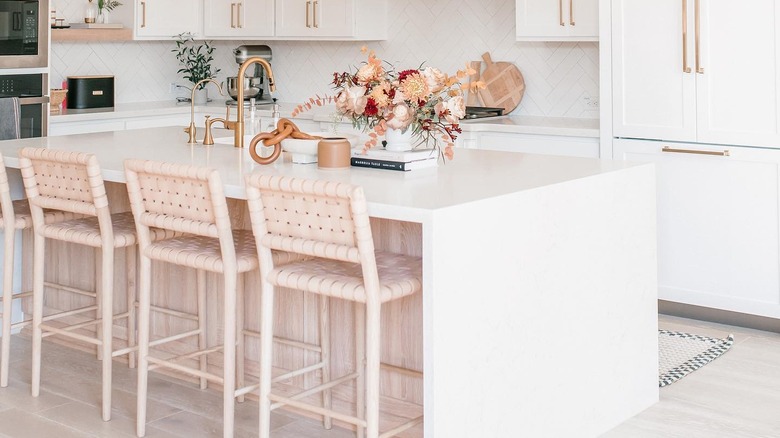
(333, 153)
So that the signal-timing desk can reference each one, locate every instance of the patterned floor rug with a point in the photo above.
(682, 353)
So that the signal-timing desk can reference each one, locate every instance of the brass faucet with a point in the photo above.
(191, 129)
(238, 125)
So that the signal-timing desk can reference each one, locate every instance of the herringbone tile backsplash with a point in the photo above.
(441, 33)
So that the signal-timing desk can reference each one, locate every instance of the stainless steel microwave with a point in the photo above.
(24, 33)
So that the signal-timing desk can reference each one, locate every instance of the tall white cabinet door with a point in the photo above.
(167, 18)
(224, 18)
(654, 87)
(315, 18)
(583, 19)
(739, 84)
(718, 221)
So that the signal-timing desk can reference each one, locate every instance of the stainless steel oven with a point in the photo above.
(24, 33)
(31, 91)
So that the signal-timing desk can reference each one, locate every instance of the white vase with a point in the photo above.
(398, 140)
(201, 96)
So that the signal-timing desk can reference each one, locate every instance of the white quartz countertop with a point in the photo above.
(568, 126)
(473, 175)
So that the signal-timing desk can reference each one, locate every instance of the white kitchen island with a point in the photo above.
(538, 314)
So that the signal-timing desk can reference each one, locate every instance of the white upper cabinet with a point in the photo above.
(697, 71)
(331, 19)
(163, 19)
(557, 20)
(238, 18)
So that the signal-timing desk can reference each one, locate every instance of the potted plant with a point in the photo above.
(195, 59)
(104, 7)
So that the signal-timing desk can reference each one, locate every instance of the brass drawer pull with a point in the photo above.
(560, 12)
(699, 68)
(238, 15)
(308, 4)
(233, 15)
(314, 13)
(143, 14)
(571, 12)
(723, 153)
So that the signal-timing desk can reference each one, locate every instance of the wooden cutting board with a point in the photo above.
(504, 85)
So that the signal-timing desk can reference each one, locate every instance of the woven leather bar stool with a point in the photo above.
(190, 200)
(15, 216)
(329, 222)
(72, 182)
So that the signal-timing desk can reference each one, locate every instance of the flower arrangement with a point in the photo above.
(195, 59)
(377, 97)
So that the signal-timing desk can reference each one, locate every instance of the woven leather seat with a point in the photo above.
(72, 182)
(19, 218)
(327, 221)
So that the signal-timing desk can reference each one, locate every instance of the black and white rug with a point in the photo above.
(680, 354)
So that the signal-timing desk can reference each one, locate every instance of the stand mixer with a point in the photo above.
(255, 84)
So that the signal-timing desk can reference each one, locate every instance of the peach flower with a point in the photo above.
(455, 107)
(402, 117)
(415, 87)
(352, 100)
(435, 78)
(369, 73)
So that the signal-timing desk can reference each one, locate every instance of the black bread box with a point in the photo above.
(90, 92)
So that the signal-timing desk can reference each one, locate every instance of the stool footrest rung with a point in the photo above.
(71, 313)
(285, 341)
(172, 338)
(401, 370)
(298, 372)
(165, 363)
(408, 425)
(18, 296)
(51, 331)
(289, 401)
(319, 388)
(176, 313)
(74, 290)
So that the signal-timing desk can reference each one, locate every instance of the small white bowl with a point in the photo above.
(305, 151)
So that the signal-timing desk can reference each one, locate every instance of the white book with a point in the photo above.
(380, 153)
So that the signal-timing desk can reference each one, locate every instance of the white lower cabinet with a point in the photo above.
(718, 223)
(587, 147)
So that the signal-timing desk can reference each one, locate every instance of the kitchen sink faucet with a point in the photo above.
(237, 126)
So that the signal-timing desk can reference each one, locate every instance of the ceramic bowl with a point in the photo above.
(305, 151)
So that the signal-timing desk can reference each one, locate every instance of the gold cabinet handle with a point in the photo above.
(238, 15)
(699, 68)
(723, 153)
(143, 14)
(686, 68)
(314, 14)
(571, 12)
(233, 15)
(560, 12)
(308, 3)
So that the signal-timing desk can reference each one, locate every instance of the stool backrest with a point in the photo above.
(6, 205)
(180, 198)
(316, 218)
(66, 181)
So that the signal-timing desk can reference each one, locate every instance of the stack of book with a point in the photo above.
(403, 161)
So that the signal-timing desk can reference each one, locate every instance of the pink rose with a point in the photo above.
(434, 77)
(456, 109)
(402, 117)
(352, 100)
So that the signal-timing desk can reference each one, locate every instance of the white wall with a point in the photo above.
(441, 33)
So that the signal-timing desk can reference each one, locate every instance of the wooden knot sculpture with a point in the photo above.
(285, 128)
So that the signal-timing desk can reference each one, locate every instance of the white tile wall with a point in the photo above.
(441, 33)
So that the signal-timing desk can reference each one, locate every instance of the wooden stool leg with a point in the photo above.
(200, 280)
(107, 325)
(144, 309)
(8, 293)
(372, 369)
(229, 385)
(327, 395)
(132, 296)
(98, 300)
(360, 364)
(39, 242)
(240, 377)
(266, 356)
